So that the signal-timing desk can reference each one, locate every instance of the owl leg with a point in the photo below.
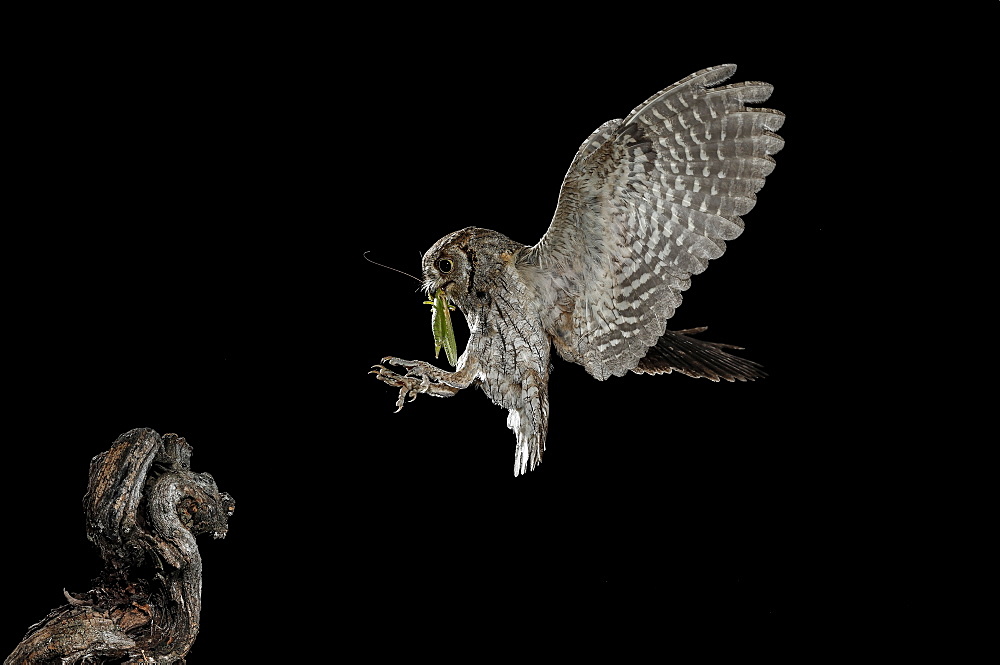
(420, 377)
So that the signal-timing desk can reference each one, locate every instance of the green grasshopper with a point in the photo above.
(444, 334)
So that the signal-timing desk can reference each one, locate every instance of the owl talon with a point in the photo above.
(399, 362)
(402, 399)
(409, 386)
(407, 390)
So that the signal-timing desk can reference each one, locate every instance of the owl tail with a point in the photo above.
(678, 351)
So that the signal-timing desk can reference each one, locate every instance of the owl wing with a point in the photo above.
(646, 203)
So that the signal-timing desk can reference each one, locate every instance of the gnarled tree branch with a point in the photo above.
(144, 506)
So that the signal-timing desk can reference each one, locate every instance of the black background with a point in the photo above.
(198, 194)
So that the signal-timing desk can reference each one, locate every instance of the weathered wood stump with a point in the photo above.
(144, 506)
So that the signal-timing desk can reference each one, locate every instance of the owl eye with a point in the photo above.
(445, 266)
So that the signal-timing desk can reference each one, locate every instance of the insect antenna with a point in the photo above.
(365, 255)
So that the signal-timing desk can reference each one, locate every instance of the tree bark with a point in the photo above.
(144, 506)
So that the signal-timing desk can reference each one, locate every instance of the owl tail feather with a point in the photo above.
(678, 351)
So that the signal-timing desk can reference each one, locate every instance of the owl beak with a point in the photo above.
(434, 284)
(430, 288)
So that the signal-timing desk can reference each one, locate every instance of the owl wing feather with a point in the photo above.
(647, 202)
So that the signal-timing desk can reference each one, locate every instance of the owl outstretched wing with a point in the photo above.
(646, 203)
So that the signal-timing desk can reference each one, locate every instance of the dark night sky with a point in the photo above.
(200, 211)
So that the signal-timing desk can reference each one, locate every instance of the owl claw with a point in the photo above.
(409, 386)
(399, 362)
(419, 378)
(405, 391)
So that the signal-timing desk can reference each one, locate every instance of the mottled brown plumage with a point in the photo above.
(647, 202)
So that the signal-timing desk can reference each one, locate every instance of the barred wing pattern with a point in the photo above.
(646, 203)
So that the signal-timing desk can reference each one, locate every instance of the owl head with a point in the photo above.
(466, 264)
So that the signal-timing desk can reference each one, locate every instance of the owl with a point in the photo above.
(647, 202)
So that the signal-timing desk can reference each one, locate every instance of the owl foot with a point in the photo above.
(409, 386)
(419, 378)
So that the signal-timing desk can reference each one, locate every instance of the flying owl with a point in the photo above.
(646, 203)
